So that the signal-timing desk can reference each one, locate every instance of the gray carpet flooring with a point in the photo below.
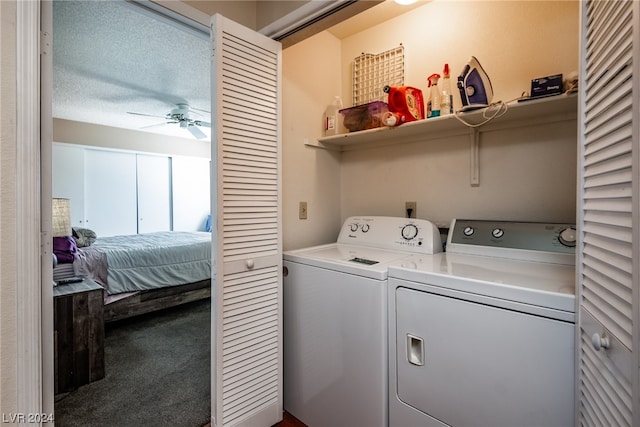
(157, 373)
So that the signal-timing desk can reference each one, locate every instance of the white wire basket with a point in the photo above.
(371, 73)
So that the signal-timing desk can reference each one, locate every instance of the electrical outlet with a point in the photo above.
(302, 210)
(410, 209)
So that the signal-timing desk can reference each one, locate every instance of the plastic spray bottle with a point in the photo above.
(433, 106)
(332, 119)
(446, 97)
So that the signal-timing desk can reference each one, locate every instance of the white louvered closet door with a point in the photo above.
(247, 330)
(609, 260)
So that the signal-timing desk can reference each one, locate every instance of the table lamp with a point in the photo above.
(61, 224)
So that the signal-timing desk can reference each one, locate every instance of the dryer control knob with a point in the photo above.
(497, 233)
(409, 231)
(365, 228)
(568, 237)
(468, 231)
(354, 227)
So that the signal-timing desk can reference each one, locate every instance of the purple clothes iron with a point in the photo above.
(474, 85)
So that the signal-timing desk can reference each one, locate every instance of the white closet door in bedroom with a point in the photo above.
(246, 191)
(67, 179)
(110, 201)
(191, 184)
(154, 198)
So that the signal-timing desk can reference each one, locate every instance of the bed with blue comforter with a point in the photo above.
(145, 272)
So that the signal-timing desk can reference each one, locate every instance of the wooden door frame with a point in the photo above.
(34, 345)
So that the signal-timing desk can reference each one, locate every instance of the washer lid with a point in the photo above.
(535, 283)
(351, 259)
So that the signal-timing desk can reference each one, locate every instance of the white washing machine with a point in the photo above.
(335, 320)
(482, 335)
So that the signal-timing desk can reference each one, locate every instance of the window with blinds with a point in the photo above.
(607, 210)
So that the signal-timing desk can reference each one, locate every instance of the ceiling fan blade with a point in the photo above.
(196, 132)
(203, 124)
(146, 115)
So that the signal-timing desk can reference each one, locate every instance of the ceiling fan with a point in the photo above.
(181, 115)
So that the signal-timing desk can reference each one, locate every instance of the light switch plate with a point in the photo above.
(302, 210)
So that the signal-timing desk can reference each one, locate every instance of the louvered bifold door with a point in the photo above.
(608, 216)
(247, 349)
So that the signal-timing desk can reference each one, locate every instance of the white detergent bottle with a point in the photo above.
(433, 106)
(332, 119)
(446, 97)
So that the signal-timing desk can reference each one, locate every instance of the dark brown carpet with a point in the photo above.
(157, 373)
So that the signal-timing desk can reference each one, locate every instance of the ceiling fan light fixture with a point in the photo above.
(183, 117)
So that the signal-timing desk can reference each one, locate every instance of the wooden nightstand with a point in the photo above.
(78, 334)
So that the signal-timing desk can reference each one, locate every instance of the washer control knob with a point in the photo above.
(497, 233)
(409, 231)
(354, 227)
(365, 228)
(568, 237)
(468, 231)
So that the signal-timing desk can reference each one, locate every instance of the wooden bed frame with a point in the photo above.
(156, 299)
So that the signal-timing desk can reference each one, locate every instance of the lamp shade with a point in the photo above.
(61, 224)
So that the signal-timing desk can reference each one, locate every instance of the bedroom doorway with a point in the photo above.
(260, 272)
(128, 343)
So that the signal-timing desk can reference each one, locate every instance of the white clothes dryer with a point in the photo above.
(483, 334)
(335, 320)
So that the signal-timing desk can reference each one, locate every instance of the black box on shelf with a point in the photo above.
(546, 86)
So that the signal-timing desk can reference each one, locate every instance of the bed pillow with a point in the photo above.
(83, 236)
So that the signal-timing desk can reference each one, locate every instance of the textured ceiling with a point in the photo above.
(113, 57)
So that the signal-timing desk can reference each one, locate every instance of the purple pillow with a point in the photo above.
(65, 249)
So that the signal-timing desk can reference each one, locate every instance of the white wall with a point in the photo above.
(311, 78)
(527, 174)
(73, 132)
